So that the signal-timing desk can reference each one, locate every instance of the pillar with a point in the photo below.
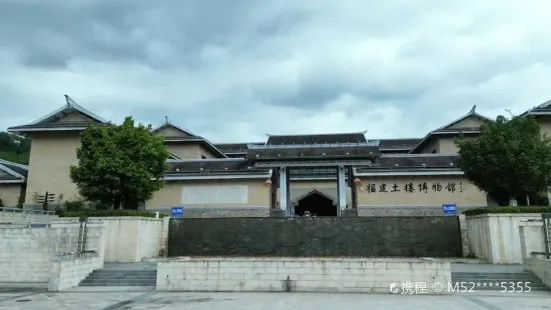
(341, 190)
(284, 191)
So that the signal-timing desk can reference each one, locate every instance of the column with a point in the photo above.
(284, 192)
(341, 189)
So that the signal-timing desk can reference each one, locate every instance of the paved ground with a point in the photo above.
(12, 300)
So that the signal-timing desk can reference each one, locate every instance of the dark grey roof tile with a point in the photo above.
(317, 139)
(349, 152)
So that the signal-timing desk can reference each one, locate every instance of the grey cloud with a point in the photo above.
(242, 67)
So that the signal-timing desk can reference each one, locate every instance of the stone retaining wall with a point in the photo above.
(286, 274)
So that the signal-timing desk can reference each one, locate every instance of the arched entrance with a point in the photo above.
(317, 204)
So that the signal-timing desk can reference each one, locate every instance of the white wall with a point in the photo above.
(276, 274)
(68, 271)
(541, 268)
(506, 238)
(131, 239)
(27, 253)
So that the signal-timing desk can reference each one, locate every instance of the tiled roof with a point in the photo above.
(235, 147)
(14, 171)
(457, 130)
(218, 166)
(397, 144)
(77, 125)
(348, 152)
(414, 161)
(317, 139)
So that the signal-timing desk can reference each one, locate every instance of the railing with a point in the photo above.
(30, 211)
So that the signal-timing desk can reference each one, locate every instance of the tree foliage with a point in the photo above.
(509, 159)
(119, 165)
(14, 148)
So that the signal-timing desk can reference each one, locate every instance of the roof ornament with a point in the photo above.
(69, 101)
(473, 110)
(167, 121)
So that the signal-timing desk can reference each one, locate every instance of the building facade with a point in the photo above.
(321, 174)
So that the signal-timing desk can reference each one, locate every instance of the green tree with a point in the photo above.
(119, 165)
(509, 159)
(14, 148)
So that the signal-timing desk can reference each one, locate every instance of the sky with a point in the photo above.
(234, 71)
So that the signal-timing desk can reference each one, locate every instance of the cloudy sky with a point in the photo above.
(232, 70)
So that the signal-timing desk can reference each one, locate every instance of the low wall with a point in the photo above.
(131, 239)
(505, 238)
(287, 274)
(219, 212)
(541, 268)
(316, 236)
(27, 251)
(15, 215)
(69, 270)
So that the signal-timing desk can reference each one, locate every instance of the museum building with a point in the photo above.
(332, 174)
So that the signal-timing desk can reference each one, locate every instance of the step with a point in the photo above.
(125, 272)
(109, 277)
(117, 284)
(493, 274)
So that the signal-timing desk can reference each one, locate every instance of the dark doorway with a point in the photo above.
(317, 204)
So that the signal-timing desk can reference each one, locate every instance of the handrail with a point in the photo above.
(30, 211)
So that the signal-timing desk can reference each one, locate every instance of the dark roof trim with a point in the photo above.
(410, 172)
(69, 106)
(4, 166)
(540, 110)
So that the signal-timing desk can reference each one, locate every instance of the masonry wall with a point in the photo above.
(27, 253)
(131, 239)
(285, 274)
(541, 268)
(505, 238)
(317, 236)
(69, 270)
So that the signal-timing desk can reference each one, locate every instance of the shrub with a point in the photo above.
(113, 213)
(519, 209)
(73, 205)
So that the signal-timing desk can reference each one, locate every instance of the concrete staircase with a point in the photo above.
(493, 281)
(134, 275)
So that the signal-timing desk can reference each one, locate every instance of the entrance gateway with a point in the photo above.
(304, 162)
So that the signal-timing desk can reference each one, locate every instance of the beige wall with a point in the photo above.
(431, 146)
(447, 145)
(172, 194)
(470, 122)
(9, 193)
(545, 125)
(51, 156)
(75, 117)
(185, 151)
(469, 196)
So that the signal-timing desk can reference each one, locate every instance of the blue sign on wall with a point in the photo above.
(177, 211)
(449, 208)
